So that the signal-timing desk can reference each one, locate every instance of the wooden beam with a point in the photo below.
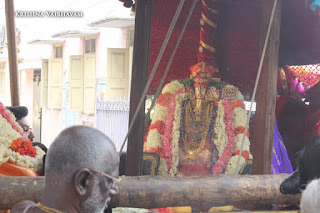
(267, 92)
(157, 192)
(140, 67)
(12, 52)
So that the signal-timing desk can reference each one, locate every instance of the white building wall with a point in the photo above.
(54, 121)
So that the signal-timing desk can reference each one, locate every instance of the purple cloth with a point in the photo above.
(280, 160)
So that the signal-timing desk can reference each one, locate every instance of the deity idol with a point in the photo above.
(198, 125)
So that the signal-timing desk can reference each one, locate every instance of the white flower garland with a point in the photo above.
(172, 87)
(15, 123)
(163, 168)
(154, 139)
(7, 135)
(176, 133)
(160, 113)
(239, 117)
(35, 163)
(221, 138)
(238, 141)
(231, 166)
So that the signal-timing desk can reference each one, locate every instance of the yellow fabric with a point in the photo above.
(181, 209)
(221, 209)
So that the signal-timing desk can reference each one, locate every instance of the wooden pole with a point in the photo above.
(157, 192)
(12, 52)
(267, 92)
(140, 67)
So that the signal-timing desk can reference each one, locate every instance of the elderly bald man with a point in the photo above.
(82, 169)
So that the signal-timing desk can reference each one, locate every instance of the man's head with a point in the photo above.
(73, 163)
(21, 112)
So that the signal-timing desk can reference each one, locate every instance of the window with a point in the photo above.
(90, 45)
(58, 51)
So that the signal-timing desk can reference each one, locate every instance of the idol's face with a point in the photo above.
(200, 91)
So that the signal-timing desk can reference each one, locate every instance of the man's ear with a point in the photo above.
(83, 181)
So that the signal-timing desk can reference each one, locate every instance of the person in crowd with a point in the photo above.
(82, 168)
(308, 168)
(310, 198)
(21, 113)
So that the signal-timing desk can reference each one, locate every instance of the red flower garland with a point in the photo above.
(238, 103)
(23, 147)
(245, 154)
(240, 130)
(164, 99)
(227, 153)
(159, 125)
(167, 140)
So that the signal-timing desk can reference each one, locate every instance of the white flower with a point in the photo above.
(172, 87)
(238, 142)
(239, 117)
(154, 139)
(7, 135)
(163, 168)
(221, 138)
(160, 113)
(2, 158)
(231, 166)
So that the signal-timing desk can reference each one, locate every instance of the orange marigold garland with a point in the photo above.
(240, 130)
(238, 103)
(159, 125)
(164, 99)
(23, 147)
(245, 154)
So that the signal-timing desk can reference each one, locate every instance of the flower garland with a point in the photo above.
(164, 131)
(227, 153)
(6, 114)
(220, 129)
(160, 120)
(180, 97)
(18, 149)
(23, 147)
(167, 140)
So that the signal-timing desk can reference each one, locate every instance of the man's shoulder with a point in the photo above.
(23, 206)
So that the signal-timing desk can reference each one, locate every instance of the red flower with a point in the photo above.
(164, 99)
(23, 147)
(240, 130)
(245, 154)
(238, 103)
(159, 125)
